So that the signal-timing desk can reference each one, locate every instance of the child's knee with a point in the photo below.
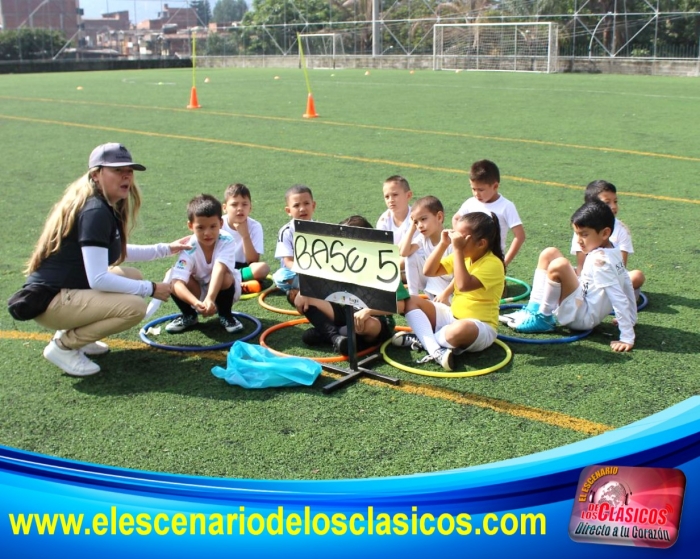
(637, 278)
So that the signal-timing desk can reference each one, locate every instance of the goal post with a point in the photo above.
(506, 47)
(321, 50)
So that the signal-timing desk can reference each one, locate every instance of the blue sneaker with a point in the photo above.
(537, 323)
(514, 319)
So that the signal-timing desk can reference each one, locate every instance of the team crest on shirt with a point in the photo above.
(181, 264)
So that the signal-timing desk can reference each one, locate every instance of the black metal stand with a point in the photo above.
(356, 370)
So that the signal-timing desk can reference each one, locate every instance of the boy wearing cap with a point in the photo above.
(76, 285)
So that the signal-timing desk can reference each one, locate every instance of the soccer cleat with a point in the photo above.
(312, 337)
(182, 323)
(231, 324)
(514, 319)
(72, 361)
(340, 344)
(442, 356)
(406, 339)
(537, 323)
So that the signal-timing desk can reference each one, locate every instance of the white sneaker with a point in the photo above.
(95, 348)
(71, 361)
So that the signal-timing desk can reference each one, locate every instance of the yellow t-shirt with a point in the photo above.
(481, 304)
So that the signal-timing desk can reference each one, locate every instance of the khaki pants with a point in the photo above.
(88, 315)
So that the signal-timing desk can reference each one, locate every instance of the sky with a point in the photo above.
(141, 9)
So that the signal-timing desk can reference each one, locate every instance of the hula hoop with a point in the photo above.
(144, 337)
(267, 306)
(414, 370)
(289, 323)
(540, 341)
(643, 303)
(520, 297)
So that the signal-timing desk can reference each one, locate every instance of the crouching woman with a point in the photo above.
(75, 283)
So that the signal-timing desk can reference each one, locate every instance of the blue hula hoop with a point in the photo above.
(224, 345)
(644, 301)
(540, 341)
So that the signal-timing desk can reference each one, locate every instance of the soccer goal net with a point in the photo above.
(508, 47)
(320, 50)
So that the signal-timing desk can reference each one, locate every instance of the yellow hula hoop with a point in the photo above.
(414, 370)
(267, 306)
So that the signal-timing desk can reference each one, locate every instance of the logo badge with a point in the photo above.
(624, 505)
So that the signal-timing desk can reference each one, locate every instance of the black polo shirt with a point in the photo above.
(96, 225)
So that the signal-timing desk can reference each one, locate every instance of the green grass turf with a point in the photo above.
(550, 135)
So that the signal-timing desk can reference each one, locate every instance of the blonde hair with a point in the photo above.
(64, 213)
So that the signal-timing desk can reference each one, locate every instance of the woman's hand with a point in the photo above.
(162, 291)
(180, 245)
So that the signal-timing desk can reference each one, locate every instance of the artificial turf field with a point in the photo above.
(550, 135)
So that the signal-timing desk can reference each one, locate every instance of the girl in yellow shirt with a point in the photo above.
(470, 323)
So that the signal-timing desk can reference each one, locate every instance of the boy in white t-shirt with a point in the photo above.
(485, 178)
(582, 302)
(397, 218)
(424, 234)
(299, 204)
(205, 278)
(247, 233)
(620, 237)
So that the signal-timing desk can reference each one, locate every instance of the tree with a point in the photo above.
(228, 11)
(203, 10)
(30, 44)
(274, 23)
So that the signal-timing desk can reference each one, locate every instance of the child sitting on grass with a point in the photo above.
(582, 302)
(479, 273)
(300, 205)
(205, 278)
(620, 237)
(247, 233)
(427, 218)
(328, 319)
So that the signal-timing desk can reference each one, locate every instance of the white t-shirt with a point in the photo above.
(256, 237)
(503, 208)
(192, 262)
(285, 242)
(386, 223)
(434, 285)
(605, 286)
(620, 238)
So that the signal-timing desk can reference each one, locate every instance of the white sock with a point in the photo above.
(552, 293)
(538, 285)
(440, 337)
(420, 324)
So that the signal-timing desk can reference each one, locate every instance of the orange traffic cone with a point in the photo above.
(194, 104)
(310, 108)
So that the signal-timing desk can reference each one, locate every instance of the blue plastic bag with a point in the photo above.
(253, 366)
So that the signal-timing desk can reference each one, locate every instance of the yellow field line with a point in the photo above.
(329, 155)
(371, 127)
(500, 406)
